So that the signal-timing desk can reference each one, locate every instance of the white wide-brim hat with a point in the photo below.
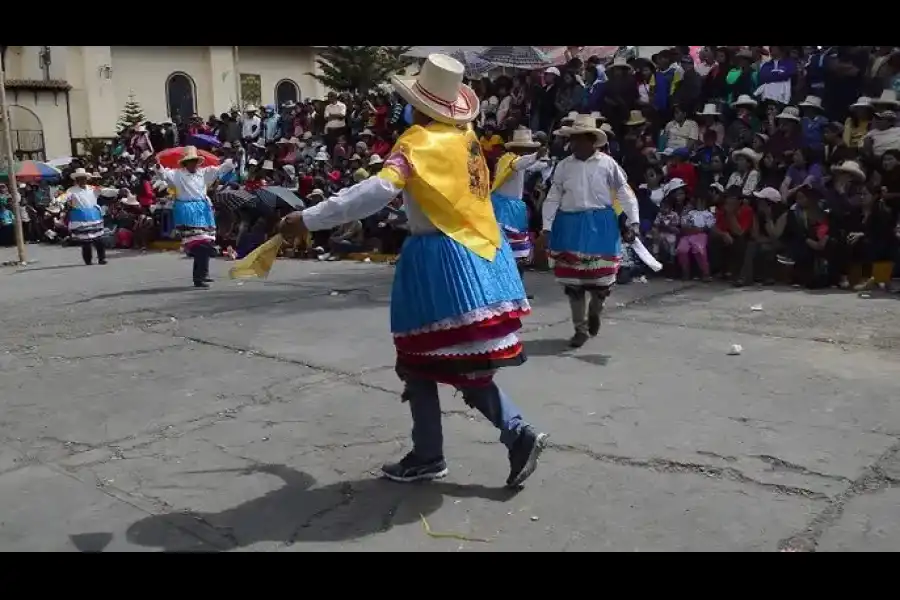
(80, 173)
(522, 138)
(375, 160)
(438, 91)
(584, 124)
(789, 113)
(862, 102)
(709, 110)
(887, 97)
(747, 153)
(770, 194)
(130, 201)
(851, 167)
(321, 157)
(812, 102)
(744, 100)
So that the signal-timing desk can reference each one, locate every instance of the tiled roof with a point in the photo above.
(38, 84)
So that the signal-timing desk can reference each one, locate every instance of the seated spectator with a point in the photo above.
(805, 239)
(888, 179)
(871, 241)
(347, 239)
(663, 236)
(740, 133)
(764, 242)
(680, 168)
(681, 132)
(710, 122)
(728, 239)
(812, 122)
(836, 150)
(857, 124)
(885, 135)
(650, 195)
(804, 170)
(696, 221)
(788, 136)
(771, 173)
(746, 174)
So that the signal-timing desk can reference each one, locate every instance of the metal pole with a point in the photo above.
(237, 78)
(10, 170)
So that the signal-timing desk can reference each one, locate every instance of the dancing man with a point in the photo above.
(457, 299)
(192, 211)
(507, 193)
(84, 216)
(580, 220)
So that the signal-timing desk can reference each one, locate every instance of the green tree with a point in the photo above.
(359, 68)
(132, 113)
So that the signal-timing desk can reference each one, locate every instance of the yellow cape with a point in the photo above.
(503, 170)
(450, 182)
(259, 262)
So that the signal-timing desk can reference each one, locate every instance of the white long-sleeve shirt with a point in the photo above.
(580, 185)
(86, 197)
(192, 186)
(522, 166)
(250, 127)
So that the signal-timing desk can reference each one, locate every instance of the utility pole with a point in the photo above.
(237, 78)
(11, 168)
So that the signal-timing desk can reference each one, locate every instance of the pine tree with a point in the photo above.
(359, 68)
(132, 113)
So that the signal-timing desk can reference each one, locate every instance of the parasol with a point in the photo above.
(202, 140)
(234, 199)
(279, 197)
(517, 57)
(474, 64)
(32, 171)
(169, 158)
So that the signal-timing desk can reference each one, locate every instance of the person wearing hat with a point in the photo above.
(858, 122)
(524, 155)
(836, 150)
(581, 223)
(740, 132)
(251, 126)
(885, 135)
(192, 211)
(375, 164)
(788, 135)
(544, 103)
(813, 122)
(762, 247)
(85, 217)
(742, 79)
(746, 171)
(457, 297)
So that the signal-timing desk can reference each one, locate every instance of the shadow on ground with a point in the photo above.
(301, 512)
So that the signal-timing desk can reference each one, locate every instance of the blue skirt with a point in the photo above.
(591, 232)
(193, 214)
(438, 278)
(510, 212)
(85, 215)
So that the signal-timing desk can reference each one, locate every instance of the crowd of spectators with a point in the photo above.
(750, 163)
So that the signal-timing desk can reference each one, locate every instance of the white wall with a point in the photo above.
(274, 63)
(44, 110)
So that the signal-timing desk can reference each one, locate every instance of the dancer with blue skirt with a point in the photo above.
(192, 211)
(507, 192)
(457, 299)
(84, 216)
(580, 219)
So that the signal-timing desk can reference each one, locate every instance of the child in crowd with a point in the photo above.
(664, 235)
(696, 221)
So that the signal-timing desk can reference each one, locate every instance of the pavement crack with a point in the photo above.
(661, 465)
(874, 478)
(778, 464)
(348, 495)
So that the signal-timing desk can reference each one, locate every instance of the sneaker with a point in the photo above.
(411, 468)
(524, 455)
(593, 325)
(578, 340)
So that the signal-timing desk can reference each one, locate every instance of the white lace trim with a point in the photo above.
(479, 314)
(472, 348)
(601, 281)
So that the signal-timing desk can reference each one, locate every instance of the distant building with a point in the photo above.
(63, 96)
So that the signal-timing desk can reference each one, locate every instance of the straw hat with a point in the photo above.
(129, 200)
(886, 114)
(597, 115)
(251, 109)
(709, 110)
(190, 153)
(80, 173)
(316, 192)
(321, 157)
(355, 157)
(608, 130)
(294, 140)
(360, 174)
(862, 102)
(674, 184)
(307, 135)
(375, 160)
(744, 100)
(888, 97)
(635, 117)
(284, 141)
(522, 138)
(762, 136)
(268, 165)
(367, 132)
(770, 194)
(569, 118)
(747, 153)
(620, 62)
(289, 104)
(789, 113)
(438, 91)
(584, 124)
(851, 167)
(259, 144)
(140, 129)
(812, 102)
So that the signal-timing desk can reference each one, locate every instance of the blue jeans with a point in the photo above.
(425, 405)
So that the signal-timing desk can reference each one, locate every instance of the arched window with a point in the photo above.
(286, 91)
(181, 97)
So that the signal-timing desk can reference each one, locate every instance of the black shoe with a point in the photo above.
(88, 263)
(101, 262)
(412, 468)
(201, 284)
(524, 455)
(529, 297)
(208, 279)
(578, 340)
(593, 325)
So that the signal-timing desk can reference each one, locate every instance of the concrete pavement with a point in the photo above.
(140, 414)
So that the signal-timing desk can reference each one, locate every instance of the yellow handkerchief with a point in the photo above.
(259, 262)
